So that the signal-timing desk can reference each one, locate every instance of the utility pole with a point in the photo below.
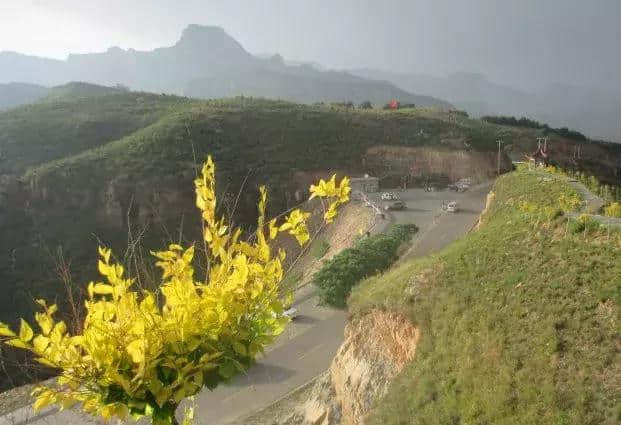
(499, 141)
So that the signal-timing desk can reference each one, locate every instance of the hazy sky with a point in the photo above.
(520, 42)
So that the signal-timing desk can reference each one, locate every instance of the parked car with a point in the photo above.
(452, 206)
(459, 186)
(389, 196)
(291, 313)
(397, 205)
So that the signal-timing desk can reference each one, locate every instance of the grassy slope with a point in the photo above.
(519, 321)
(49, 130)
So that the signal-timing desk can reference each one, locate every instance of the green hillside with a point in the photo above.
(519, 320)
(78, 89)
(111, 168)
(71, 121)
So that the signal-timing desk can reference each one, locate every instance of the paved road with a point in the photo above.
(437, 228)
(308, 345)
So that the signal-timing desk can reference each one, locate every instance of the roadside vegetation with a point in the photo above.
(369, 256)
(611, 194)
(519, 320)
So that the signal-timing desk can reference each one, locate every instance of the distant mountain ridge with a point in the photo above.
(15, 94)
(588, 110)
(206, 62)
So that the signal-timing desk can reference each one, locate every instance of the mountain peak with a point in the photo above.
(213, 41)
(206, 35)
(196, 30)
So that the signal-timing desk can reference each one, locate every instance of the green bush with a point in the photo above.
(367, 257)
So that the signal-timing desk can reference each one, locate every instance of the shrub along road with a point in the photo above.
(308, 345)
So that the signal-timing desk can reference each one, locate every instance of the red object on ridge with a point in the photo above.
(394, 104)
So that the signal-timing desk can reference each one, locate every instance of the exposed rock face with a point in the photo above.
(376, 348)
(488, 203)
(453, 159)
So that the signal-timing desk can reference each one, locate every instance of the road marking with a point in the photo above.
(315, 348)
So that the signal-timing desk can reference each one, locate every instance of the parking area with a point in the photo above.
(421, 207)
(437, 228)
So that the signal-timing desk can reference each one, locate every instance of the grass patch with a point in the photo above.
(519, 320)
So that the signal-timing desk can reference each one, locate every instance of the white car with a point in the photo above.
(389, 196)
(291, 313)
(452, 207)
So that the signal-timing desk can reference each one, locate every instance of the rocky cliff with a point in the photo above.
(376, 348)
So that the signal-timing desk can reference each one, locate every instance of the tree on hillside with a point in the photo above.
(141, 352)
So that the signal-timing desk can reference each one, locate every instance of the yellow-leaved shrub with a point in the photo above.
(613, 210)
(141, 352)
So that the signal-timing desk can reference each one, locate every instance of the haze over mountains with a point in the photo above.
(207, 63)
(589, 110)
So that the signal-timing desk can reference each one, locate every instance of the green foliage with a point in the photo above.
(367, 257)
(512, 121)
(528, 123)
(63, 126)
(518, 320)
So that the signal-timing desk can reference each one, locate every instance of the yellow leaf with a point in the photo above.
(45, 322)
(45, 362)
(5, 331)
(18, 343)
(102, 268)
(136, 350)
(67, 403)
(43, 400)
(60, 328)
(100, 289)
(107, 412)
(40, 343)
(273, 229)
(104, 253)
(25, 331)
